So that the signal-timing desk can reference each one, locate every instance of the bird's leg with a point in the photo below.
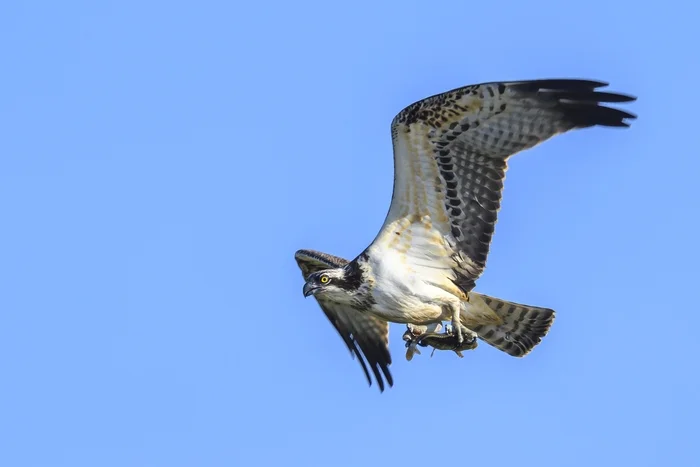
(456, 324)
(469, 342)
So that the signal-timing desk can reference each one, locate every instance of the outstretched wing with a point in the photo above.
(450, 159)
(366, 336)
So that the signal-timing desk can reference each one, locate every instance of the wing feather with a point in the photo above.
(366, 336)
(450, 159)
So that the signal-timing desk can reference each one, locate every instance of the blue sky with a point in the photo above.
(162, 161)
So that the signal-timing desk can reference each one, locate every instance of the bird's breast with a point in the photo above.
(401, 296)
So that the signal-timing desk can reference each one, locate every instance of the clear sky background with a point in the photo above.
(160, 162)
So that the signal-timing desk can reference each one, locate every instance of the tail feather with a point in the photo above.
(522, 326)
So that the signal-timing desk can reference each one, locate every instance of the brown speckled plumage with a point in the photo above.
(472, 131)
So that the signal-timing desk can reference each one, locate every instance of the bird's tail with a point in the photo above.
(521, 327)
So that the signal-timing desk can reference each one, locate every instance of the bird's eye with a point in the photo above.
(324, 279)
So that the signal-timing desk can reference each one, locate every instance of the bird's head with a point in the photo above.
(331, 283)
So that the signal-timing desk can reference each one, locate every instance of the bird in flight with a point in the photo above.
(450, 157)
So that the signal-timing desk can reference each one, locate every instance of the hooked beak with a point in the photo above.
(310, 289)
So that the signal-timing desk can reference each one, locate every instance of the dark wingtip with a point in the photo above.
(301, 254)
(580, 102)
(387, 376)
(380, 367)
(378, 377)
(379, 361)
(559, 84)
(389, 381)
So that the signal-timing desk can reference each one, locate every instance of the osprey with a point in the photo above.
(450, 157)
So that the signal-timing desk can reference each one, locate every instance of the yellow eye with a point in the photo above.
(324, 279)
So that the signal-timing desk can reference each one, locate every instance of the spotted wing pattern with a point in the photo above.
(366, 336)
(450, 158)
